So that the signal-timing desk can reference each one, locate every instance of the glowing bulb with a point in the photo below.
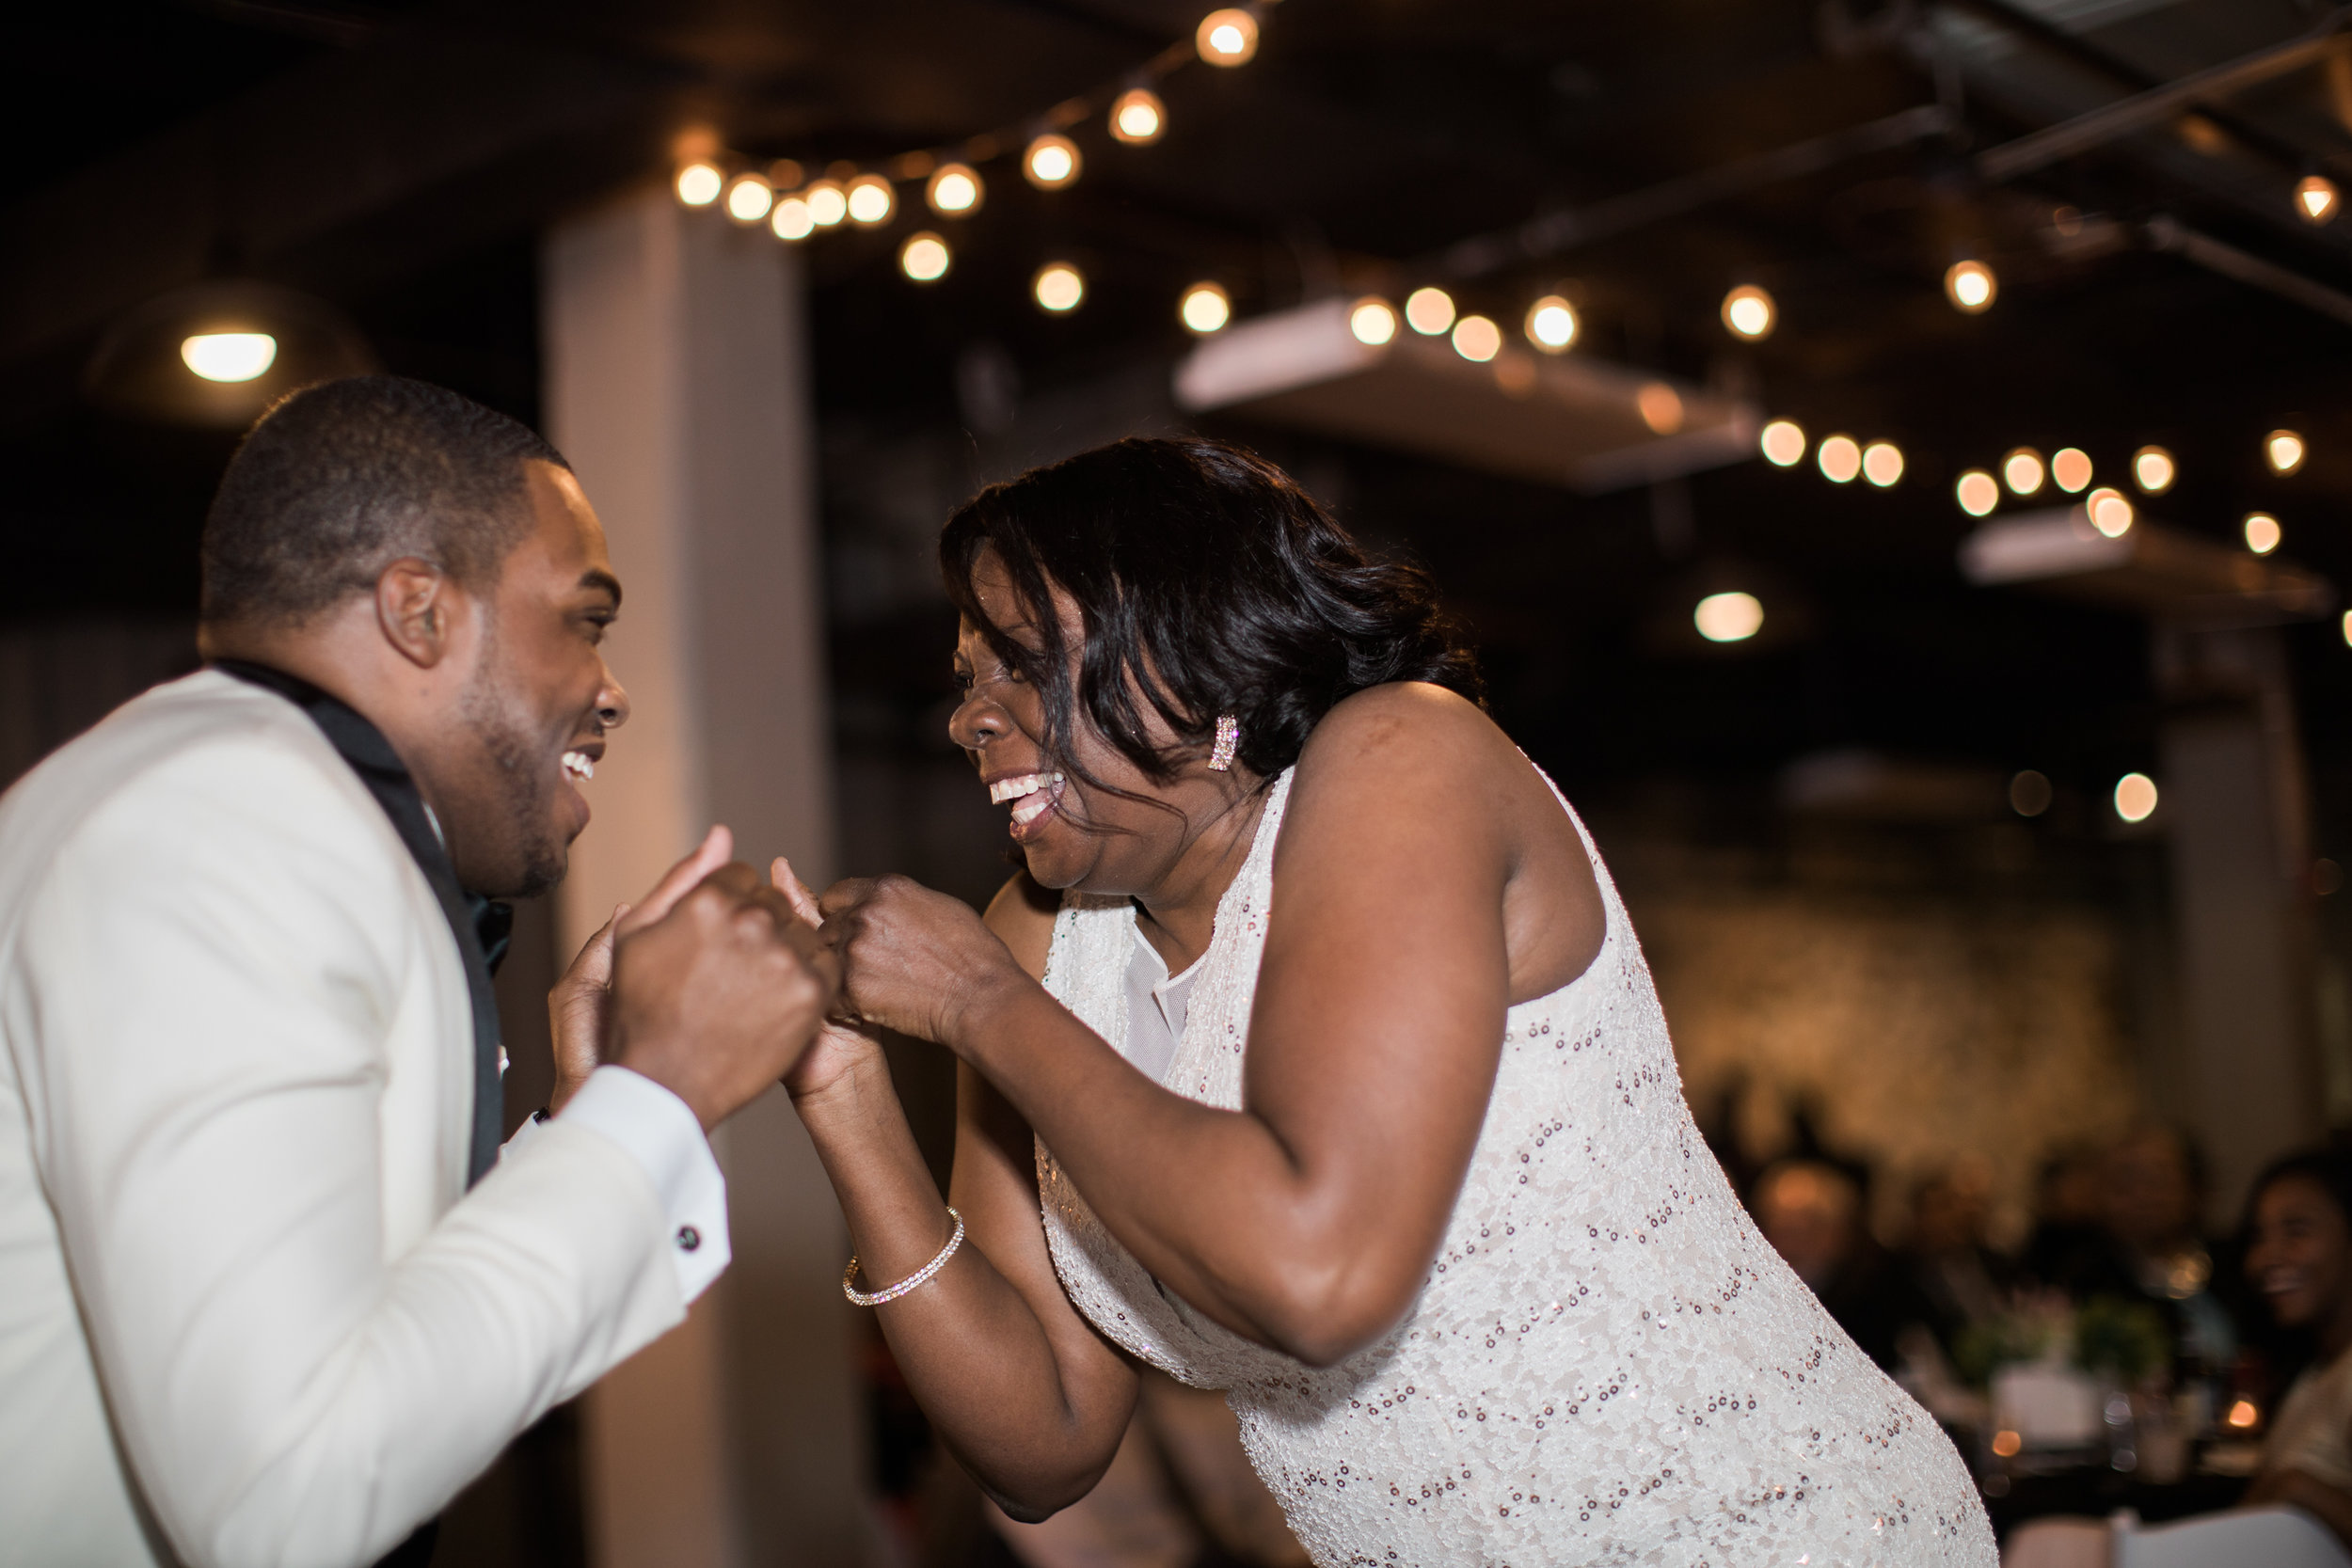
(2007, 1443)
(1226, 36)
(925, 257)
(953, 190)
(228, 356)
(790, 220)
(1058, 287)
(2109, 512)
(1372, 320)
(1051, 162)
(1205, 309)
(1429, 312)
(871, 200)
(1840, 459)
(1660, 407)
(1749, 311)
(1783, 442)
(2347, 628)
(2317, 198)
(2071, 467)
(1551, 324)
(749, 197)
(2153, 471)
(1137, 116)
(2262, 532)
(1976, 493)
(1970, 285)
(2029, 793)
(2021, 470)
(1883, 463)
(2286, 449)
(2243, 1415)
(1477, 338)
(698, 184)
(2136, 801)
(827, 204)
(1732, 617)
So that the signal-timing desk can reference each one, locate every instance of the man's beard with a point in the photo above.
(531, 854)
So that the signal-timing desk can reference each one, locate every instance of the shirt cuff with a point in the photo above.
(663, 1137)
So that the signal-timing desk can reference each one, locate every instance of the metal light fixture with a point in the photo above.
(218, 354)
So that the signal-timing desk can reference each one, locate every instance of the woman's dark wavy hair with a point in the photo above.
(1207, 583)
(2329, 1168)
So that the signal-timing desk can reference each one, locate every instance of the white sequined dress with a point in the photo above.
(1607, 1364)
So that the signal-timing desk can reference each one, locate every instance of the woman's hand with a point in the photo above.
(914, 960)
(840, 1049)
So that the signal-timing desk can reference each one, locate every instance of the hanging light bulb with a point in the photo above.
(1051, 162)
(1477, 338)
(954, 190)
(1749, 312)
(1139, 117)
(1660, 407)
(871, 200)
(1205, 309)
(1429, 312)
(2153, 471)
(2262, 533)
(749, 197)
(699, 184)
(1226, 36)
(2316, 200)
(1976, 493)
(1058, 287)
(2135, 797)
(1732, 617)
(1840, 459)
(925, 257)
(1783, 443)
(2071, 467)
(1371, 321)
(1882, 464)
(1970, 285)
(2109, 512)
(1551, 325)
(827, 204)
(2286, 449)
(2021, 470)
(790, 220)
(229, 356)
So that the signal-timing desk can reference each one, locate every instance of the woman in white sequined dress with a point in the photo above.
(1320, 1065)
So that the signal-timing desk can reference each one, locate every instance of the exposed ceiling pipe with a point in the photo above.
(2168, 234)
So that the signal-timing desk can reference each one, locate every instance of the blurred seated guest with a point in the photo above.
(1811, 1213)
(2149, 1247)
(1959, 1277)
(2066, 1212)
(2300, 1259)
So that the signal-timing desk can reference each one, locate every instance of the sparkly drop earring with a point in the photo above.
(1227, 737)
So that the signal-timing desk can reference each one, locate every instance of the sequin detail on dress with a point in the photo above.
(1607, 1364)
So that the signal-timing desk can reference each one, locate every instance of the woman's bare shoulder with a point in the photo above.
(1022, 916)
(1406, 722)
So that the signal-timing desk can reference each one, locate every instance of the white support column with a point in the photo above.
(677, 384)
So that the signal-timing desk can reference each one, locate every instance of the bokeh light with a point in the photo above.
(1783, 443)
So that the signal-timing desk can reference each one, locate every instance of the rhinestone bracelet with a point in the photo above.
(860, 1298)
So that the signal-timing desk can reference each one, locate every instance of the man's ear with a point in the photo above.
(416, 607)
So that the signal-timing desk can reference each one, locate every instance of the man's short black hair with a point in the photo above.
(338, 480)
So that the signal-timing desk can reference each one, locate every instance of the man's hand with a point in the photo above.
(717, 998)
(914, 960)
(841, 1050)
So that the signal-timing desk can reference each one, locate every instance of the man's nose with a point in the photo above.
(611, 704)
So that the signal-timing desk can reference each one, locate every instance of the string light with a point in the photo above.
(1477, 338)
(1783, 443)
(2316, 200)
(699, 184)
(749, 197)
(1749, 312)
(2153, 471)
(2285, 449)
(1976, 493)
(925, 257)
(229, 356)
(2135, 797)
(827, 204)
(1371, 321)
(790, 220)
(871, 200)
(1970, 285)
(1661, 408)
(1551, 325)
(2347, 625)
(1058, 287)
(1882, 464)
(954, 190)
(1139, 117)
(1226, 36)
(2071, 467)
(1051, 162)
(1840, 459)
(2109, 512)
(2021, 470)
(1205, 309)
(2262, 533)
(1429, 312)
(1732, 617)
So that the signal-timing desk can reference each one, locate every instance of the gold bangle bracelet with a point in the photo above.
(919, 1277)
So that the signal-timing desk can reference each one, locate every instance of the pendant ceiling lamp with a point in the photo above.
(218, 353)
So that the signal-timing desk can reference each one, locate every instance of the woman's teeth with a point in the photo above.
(1032, 793)
(580, 764)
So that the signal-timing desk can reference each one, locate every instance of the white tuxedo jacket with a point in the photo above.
(249, 1314)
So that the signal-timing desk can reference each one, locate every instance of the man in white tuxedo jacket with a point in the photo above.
(269, 1292)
